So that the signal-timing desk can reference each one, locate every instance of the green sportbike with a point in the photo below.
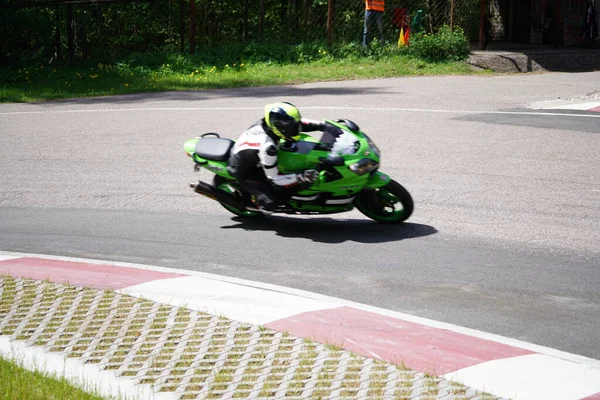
(347, 161)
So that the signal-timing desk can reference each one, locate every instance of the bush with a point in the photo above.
(444, 45)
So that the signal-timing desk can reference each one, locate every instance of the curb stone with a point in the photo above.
(193, 355)
(427, 349)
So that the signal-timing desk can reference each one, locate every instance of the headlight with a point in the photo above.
(364, 166)
(373, 146)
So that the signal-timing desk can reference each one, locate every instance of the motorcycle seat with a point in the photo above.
(216, 149)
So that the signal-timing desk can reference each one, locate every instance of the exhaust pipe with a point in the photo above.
(215, 194)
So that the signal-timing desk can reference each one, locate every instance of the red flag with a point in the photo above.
(406, 35)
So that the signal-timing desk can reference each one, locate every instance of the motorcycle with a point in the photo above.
(345, 157)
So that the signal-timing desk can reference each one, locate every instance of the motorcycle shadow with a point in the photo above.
(329, 230)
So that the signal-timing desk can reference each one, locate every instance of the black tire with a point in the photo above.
(223, 184)
(381, 204)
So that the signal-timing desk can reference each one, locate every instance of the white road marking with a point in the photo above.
(421, 110)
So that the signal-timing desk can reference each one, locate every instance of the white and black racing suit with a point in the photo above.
(253, 160)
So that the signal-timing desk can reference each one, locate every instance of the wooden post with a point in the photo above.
(299, 15)
(181, 26)
(57, 45)
(452, 7)
(84, 46)
(192, 26)
(261, 19)
(330, 9)
(557, 21)
(245, 20)
(70, 35)
(482, 23)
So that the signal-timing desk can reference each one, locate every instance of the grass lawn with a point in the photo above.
(38, 83)
(18, 383)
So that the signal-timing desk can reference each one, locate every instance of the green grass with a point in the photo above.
(18, 383)
(177, 72)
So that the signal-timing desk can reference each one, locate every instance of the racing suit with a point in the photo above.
(254, 158)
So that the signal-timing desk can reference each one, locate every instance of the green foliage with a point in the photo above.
(236, 65)
(444, 45)
(251, 54)
(117, 29)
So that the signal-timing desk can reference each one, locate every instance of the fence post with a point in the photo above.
(192, 26)
(70, 35)
(330, 9)
(181, 26)
(481, 23)
(261, 19)
(452, 7)
(245, 21)
(84, 46)
(57, 46)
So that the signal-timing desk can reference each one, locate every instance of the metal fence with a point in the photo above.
(91, 29)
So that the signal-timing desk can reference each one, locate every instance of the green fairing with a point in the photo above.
(217, 167)
(378, 179)
(189, 146)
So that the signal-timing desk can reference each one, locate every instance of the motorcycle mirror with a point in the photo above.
(350, 124)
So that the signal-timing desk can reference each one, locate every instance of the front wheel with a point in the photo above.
(389, 204)
(230, 187)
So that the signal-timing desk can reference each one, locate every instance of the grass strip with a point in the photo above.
(39, 83)
(19, 383)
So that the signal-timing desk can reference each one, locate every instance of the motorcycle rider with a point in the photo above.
(253, 160)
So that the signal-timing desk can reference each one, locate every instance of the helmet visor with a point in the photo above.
(288, 128)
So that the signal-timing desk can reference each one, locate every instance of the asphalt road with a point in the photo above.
(504, 237)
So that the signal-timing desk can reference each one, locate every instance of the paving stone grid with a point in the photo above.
(200, 356)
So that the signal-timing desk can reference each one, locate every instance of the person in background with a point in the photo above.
(373, 14)
(487, 30)
(590, 22)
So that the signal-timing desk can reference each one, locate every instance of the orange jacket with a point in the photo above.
(374, 5)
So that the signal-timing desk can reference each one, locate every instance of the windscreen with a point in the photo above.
(339, 141)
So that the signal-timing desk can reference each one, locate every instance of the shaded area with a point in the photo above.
(583, 121)
(327, 230)
(505, 58)
(199, 95)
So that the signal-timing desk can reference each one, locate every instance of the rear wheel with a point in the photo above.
(389, 204)
(232, 187)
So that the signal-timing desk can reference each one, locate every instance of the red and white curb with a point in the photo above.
(593, 106)
(502, 366)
